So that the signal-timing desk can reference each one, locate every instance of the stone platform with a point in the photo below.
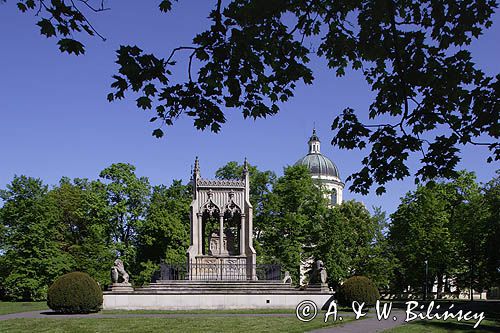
(212, 295)
(216, 287)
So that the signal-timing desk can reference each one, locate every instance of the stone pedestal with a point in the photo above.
(121, 287)
(319, 287)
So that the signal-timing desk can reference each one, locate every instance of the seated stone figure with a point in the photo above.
(119, 270)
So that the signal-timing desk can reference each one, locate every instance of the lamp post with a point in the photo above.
(425, 284)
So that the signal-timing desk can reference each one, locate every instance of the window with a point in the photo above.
(334, 197)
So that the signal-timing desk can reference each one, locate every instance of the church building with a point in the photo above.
(323, 170)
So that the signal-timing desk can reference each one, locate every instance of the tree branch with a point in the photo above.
(100, 9)
(86, 20)
(180, 48)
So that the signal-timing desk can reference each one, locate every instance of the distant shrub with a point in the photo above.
(75, 292)
(358, 288)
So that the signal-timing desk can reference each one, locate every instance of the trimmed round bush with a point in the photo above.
(360, 289)
(75, 292)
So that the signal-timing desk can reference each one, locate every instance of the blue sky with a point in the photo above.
(55, 120)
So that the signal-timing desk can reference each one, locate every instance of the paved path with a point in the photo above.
(370, 324)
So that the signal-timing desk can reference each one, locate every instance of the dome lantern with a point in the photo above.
(314, 144)
(318, 164)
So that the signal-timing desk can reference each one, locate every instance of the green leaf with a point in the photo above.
(144, 102)
(158, 133)
(46, 28)
(30, 4)
(165, 6)
(71, 46)
(22, 7)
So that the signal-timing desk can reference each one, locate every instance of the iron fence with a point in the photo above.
(221, 271)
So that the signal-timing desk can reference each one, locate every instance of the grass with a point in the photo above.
(491, 310)
(235, 311)
(148, 325)
(14, 307)
(435, 326)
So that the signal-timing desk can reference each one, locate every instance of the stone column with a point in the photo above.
(221, 233)
(242, 235)
(200, 233)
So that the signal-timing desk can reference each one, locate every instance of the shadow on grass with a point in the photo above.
(55, 313)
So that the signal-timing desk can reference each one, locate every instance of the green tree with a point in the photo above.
(32, 247)
(372, 257)
(164, 234)
(290, 212)
(454, 224)
(352, 242)
(430, 97)
(420, 231)
(81, 210)
(331, 236)
(127, 197)
(468, 225)
(491, 199)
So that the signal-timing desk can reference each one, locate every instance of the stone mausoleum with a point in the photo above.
(221, 229)
(221, 270)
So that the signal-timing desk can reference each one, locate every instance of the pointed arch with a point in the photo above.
(210, 208)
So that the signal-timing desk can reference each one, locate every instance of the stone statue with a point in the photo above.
(119, 270)
(287, 278)
(318, 274)
(322, 273)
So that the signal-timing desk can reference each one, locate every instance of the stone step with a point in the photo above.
(224, 291)
(255, 282)
(220, 285)
(217, 288)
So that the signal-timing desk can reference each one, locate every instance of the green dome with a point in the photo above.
(319, 165)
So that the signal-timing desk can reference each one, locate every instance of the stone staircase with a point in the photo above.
(220, 287)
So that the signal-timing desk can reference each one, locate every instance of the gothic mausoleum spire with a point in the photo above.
(196, 170)
(245, 166)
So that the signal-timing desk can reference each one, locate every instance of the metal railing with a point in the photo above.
(220, 271)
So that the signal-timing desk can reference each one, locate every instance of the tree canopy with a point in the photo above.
(430, 96)
(84, 225)
(452, 226)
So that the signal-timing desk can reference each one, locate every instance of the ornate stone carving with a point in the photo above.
(210, 208)
(232, 208)
(215, 244)
(220, 182)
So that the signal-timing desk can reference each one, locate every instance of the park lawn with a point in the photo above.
(182, 324)
(14, 307)
(231, 311)
(438, 326)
